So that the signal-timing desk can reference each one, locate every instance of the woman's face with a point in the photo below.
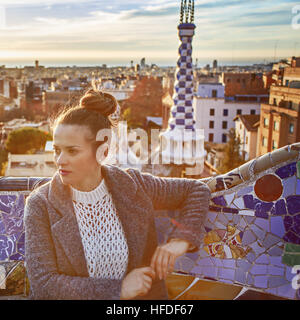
(74, 157)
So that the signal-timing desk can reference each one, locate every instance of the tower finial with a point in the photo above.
(187, 11)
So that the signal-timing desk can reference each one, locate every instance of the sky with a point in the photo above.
(114, 32)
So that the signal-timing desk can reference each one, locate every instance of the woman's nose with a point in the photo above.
(61, 159)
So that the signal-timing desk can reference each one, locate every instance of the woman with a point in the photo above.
(90, 231)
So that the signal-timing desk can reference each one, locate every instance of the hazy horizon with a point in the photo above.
(120, 31)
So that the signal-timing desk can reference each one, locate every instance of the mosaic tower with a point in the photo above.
(186, 145)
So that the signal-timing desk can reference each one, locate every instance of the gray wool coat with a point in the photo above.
(55, 259)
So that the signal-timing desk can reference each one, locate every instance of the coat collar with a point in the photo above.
(122, 188)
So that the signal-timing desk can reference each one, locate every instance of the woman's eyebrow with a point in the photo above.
(55, 146)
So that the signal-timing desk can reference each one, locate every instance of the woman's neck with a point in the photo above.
(90, 183)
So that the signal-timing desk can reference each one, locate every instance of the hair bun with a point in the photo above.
(98, 101)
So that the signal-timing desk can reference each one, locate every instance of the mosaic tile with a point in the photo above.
(289, 186)
(293, 204)
(270, 240)
(258, 269)
(277, 282)
(239, 203)
(263, 259)
(250, 280)
(286, 291)
(286, 171)
(292, 248)
(219, 201)
(249, 220)
(192, 255)
(240, 276)
(277, 226)
(187, 264)
(226, 273)
(248, 237)
(211, 216)
(229, 263)
(268, 188)
(256, 248)
(262, 208)
(275, 251)
(251, 257)
(230, 210)
(210, 271)
(291, 237)
(291, 259)
(229, 198)
(261, 281)
(279, 208)
(15, 279)
(258, 232)
(244, 191)
(298, 186)
(275, 271)
(263, 223)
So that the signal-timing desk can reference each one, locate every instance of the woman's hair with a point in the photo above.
(94, 111)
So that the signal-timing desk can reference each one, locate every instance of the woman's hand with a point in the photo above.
(164, 256)
(137, 282)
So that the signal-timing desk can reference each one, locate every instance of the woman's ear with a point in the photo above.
(102, 152)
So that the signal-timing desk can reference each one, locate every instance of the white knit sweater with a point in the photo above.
(103, 238)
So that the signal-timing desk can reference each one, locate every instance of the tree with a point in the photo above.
(232, 158)
(146, 100)
(27, 140)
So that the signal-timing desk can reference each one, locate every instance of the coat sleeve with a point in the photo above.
(189, 196)
(46, 283)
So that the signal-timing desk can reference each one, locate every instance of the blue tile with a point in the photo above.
(298, 187)
(258, 232)
(262, 208)
(210, 271)
(275, 251)
(259, 269)
(263, 223)
(240, 276)
(248, 237)
(277, 282)
(277, 226)
(244, 191)
(286, 171)
(275, 271)
(219, 201)
(270, 241)
(243, 264)
(263, 259)
(276, 261)
(226, 273)
(229, 263)
(293, 204)
(289, 185)
(261, 281)
(279, 208)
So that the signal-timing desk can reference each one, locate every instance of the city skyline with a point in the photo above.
(115, 32)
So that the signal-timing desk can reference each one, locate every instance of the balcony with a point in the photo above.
(250, 237)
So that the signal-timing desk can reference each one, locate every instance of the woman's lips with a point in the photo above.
(64, 172)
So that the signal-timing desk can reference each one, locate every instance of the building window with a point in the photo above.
(276, 125)
(274, 102)
(225, 112)
(252, 111)
(274, 145)
(214, 93)
(239, 111)
(224, 138)
(291, 128)
(266, 122)
(290, 104)
(211, 112)
(211, 137)
(264, 141)
(211, 124)
(287, 83)
(224, 124)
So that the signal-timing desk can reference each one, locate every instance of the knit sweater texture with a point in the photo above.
(101, 231)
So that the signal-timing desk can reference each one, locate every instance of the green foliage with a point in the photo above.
(27, 140)
(232, 158)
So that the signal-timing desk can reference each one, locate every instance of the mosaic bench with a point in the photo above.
(251, 235)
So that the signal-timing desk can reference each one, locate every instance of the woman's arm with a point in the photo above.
(45, 280)
(191, 197)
